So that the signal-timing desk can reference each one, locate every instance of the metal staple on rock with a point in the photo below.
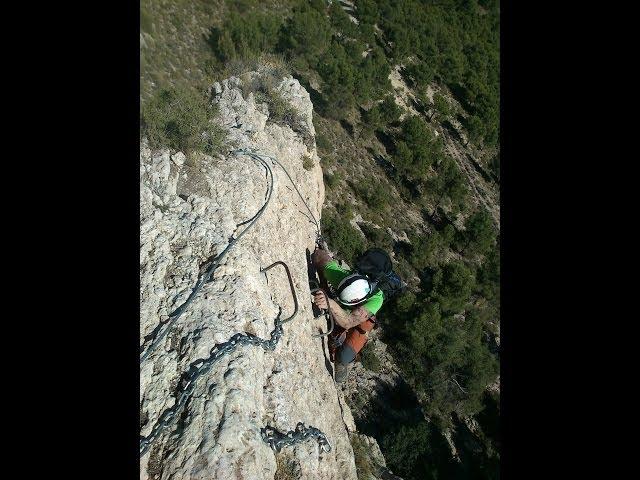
(319, 239)
(277, 440)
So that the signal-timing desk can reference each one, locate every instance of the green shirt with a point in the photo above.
(335, 274)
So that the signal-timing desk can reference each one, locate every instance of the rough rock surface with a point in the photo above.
(379, 470)
(189, 209)
(365, 383)
(364, 387)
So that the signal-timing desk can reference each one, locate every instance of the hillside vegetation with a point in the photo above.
(390, 179)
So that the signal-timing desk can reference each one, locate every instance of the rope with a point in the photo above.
(215, 263)
(257, 156)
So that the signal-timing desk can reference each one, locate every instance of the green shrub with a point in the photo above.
(280, 110)
(448, 184)
(367, 11)
(341, 236)
(324, 144)
(306, 33)
(479, 234)
(377, 237)
(375, 197)
(424, 249)
(181, 119)
(345, 210)
(242, 35)
(421, 73)
(339, 77)
(441, 105)
(475, 127)
(341, 21)
(404, 448)
(416, 149)
(375, 194)
(488, 276)
(452, 286)
(333, 179)
(369, 359)
(307, 162)
(389, 110)
(383, 114)
(372, 118)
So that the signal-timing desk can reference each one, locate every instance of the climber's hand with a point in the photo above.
(320, 300)
(322, 245)
(320, 258)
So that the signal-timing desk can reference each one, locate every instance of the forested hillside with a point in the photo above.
(406, 103)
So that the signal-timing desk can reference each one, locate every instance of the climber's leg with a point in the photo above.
(345, 355)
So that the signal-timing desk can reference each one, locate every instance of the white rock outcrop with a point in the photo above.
(190, 206)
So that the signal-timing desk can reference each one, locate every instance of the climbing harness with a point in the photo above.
(277, 440)
(202, 366)
(210, 269)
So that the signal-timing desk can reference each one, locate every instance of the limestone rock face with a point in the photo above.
(190, 207)
(377, 465)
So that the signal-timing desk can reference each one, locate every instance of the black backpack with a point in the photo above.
(376, 264)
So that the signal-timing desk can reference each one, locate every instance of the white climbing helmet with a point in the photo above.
(353, 289)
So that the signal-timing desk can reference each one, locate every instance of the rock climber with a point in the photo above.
(357, 300)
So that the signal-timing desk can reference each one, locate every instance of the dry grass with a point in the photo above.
(286, 469)
(271, 67)
(181, 119)
(364, 464)
(173, 46)
(307, 162)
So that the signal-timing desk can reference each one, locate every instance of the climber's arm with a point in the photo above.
(346, 319)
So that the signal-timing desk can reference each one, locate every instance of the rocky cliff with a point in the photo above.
(190, 209)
